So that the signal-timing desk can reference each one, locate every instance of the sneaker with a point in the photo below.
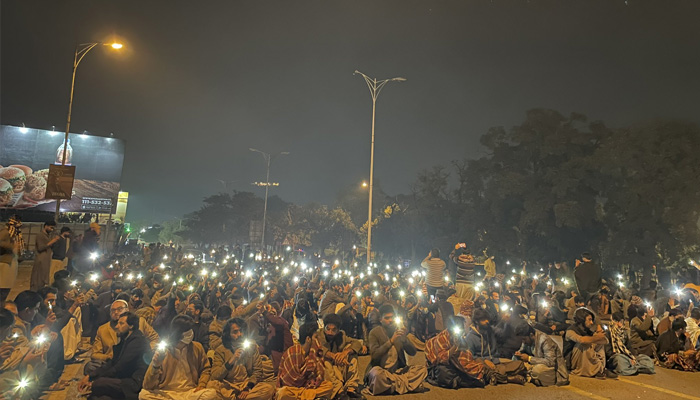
(610, 375)
(518, 379)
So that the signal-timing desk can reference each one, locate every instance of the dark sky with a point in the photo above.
(199, 82)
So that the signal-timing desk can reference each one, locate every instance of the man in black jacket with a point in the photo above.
(122, 377)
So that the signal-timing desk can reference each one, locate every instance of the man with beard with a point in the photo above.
(122, 377)
(106, 337)
(339, 354)
(301, 372)
(200, 328)
(237, 371)
(584, 347)
(620, 358)
(388, 346)
(180, 370)
(481, 342)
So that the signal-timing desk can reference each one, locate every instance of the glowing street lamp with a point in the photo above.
(374, 88)
(80, 52)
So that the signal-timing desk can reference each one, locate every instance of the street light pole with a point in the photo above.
(375, 87)
(268, 160)
(80, 51)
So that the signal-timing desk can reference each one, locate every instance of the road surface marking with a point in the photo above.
(584, 393)
(660, 389)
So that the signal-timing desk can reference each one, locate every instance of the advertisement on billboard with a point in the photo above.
(26, 155)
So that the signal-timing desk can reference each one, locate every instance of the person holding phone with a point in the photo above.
(58, 252)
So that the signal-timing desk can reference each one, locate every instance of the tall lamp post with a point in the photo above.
(268, 159)
(375, 87)
(80, 51)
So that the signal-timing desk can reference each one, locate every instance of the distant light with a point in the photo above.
(52, 133)
(23, 129)
(117, 46)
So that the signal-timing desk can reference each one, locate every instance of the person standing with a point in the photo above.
(435, 271)
(59, 251)
(11, 245)
(42, 260)
(464, 279)
(588, 279)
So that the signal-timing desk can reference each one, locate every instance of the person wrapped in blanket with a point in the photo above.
(301, 371)
(450, 363)
(675, 351)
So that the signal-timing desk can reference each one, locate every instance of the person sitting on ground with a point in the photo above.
(301, 372)
(339, 354)
(216, 327)
(139, 307)
(107, 337)
(332, 298)
(507, 341)
(620, 358)
(642, 336)
(46, 342)
(584, 347)
(665, 322)
(673, 351)
(481, 342)
(577, 303)
(545, 356)
(200, 328)
(18, 360)
(122, 377)
(450, 363)
(692, 329)
(389, 373)
(180, 370)
(237, 370)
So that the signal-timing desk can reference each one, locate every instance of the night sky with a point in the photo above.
(199, 82)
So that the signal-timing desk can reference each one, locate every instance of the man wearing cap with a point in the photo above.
(339, 354)
(42, 260)
(107, 336)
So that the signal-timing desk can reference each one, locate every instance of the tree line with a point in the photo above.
(546, 190)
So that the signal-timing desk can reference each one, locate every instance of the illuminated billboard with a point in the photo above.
(25, 156)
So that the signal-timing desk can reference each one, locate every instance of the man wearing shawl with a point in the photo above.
(388, 371)
(620, 358)
(301, 371)
(450, 363)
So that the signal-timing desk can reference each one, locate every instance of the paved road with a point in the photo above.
(666, 384)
